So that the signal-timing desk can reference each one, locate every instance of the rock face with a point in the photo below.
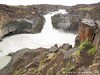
(83, 59)
(67, 22)
(23, 19)
(70, 22)
(97, 36)
(15, 20)
(90, 30)
(24, 58)
(86, 32)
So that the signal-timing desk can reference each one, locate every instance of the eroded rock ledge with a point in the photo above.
(15, 20)
(24, 19)
(67, 22)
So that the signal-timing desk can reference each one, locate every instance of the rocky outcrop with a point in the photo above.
(83, 59)
(87, 32)
(24, 19)
(37, 61)
(67, 22)
(97, 36)
(70, 22)
(53, 61)
(15, 20)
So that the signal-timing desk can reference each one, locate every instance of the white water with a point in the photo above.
(47, 38)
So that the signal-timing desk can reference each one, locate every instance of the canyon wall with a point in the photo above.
(24, 19)
(83, 59)
(67, 22)
(16, 20)
(71, 21)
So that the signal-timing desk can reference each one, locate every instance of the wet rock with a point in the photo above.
(23, 25)
(54, 49)
(67, 22)
(25, 58)
(11, 54)
(68, 53)
(0, 40)
(65, 46)
(77, 41)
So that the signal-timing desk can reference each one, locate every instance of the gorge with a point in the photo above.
(47, 48)
(46, 38)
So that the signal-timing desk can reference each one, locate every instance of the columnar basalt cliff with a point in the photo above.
(86, 31)
(90, 30)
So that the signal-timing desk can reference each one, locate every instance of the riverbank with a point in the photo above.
(82, 59)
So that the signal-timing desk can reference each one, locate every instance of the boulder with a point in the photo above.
(54, 49)
(77, 41)
(65, 46)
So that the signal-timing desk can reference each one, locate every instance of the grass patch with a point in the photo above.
(86, 9)
(84, 45)
(92, 51)
(17, 72)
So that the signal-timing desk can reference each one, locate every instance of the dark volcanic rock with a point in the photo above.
(23, 19)
(77, 41)
(34, 61)
(70, 22)
(65, 46)
(67, 22)
(23, 59)
(64, 60)
(96, 40)
(54, 49)
(11, 54)
(22, 25)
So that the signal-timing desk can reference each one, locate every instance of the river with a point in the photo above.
(47, 38)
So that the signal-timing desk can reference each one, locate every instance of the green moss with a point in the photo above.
(77, 53)
(86, 9)
(84, 45)
(51, 56)
(17, 72)
(55, 65)
(66, 70)
(92, 51)
(49, 71)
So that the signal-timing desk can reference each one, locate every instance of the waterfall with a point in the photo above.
(48, 27)
(47, 38)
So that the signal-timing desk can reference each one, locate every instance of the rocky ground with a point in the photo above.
(63, 60)
(83, 59)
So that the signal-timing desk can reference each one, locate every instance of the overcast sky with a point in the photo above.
(62, 2)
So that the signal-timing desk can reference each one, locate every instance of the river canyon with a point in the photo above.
(46, 38)
(50, 39)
